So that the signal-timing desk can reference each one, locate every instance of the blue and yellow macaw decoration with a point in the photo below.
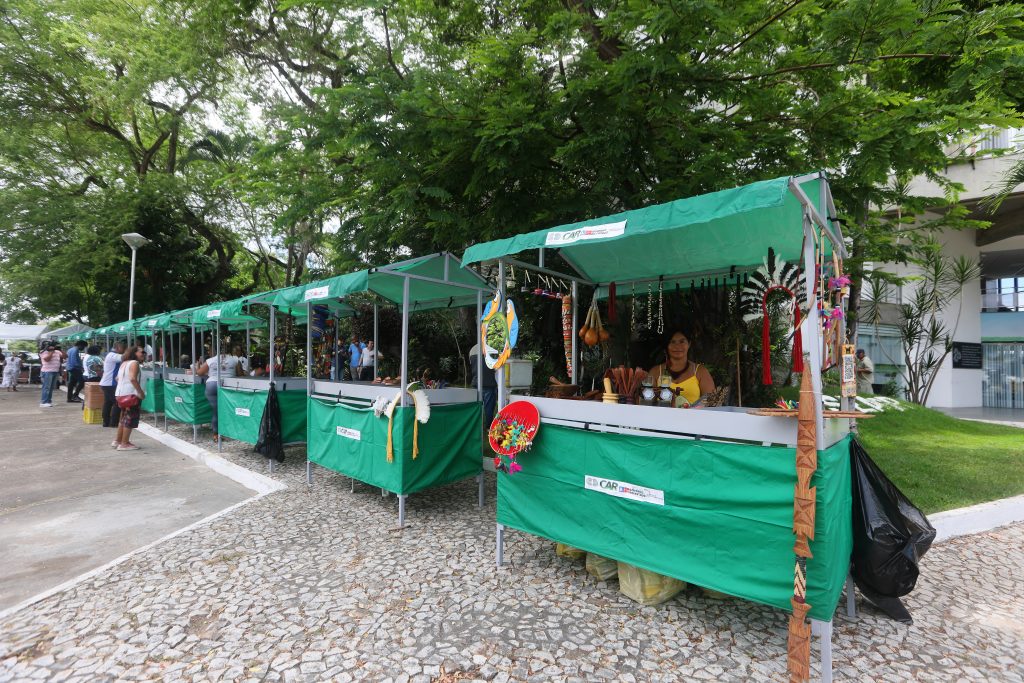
(499, 331)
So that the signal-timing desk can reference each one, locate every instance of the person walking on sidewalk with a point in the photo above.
(129, 395)
(76, 371)
(51, 359)
(11, 372)
(108, 384)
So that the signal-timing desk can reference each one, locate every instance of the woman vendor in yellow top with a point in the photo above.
(688, 379)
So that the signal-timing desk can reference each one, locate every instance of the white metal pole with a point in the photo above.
(248, 361)
(131, 287)
(572, 333)
(405, 340)
(500, 374)
(220, 380)
(309, 348)
(376, 323)
(479, 348)
(273, 333)
(812, 328)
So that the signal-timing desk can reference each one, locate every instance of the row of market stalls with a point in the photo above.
(756, 506)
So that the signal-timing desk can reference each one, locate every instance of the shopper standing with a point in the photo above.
(51, 359)
(129, 395)
(355, 354)
(215, 367)
(108, 383)
(76, 372)
(92, 365)
(368, 359)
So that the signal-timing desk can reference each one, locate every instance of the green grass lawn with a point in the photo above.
(942, 463)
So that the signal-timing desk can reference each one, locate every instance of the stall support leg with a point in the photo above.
(351, 485)
(480, 490)
(499, 551)
(309, 472)
(401, 510)
(273, 465)
(823, 629)
(383, 493)
(851, 598)
(195, 433)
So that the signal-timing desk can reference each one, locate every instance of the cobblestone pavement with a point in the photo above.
(316, 584)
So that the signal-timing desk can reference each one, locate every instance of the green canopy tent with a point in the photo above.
(702, 504)
(242, 401)
(340, 409)
(184, 400)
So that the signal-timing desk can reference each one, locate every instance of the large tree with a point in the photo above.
(97, 103)
(447, 123)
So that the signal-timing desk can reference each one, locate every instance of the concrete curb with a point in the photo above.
(254, 481)
(977, 518)
(71, 583)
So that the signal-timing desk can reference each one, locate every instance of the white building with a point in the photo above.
(991, 312)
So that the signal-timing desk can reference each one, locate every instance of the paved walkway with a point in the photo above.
(311, 584)
(69, 503)
(1011, 417)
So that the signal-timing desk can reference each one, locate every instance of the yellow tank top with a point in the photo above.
(689, 388)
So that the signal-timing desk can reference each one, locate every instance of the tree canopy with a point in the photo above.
(265, 142)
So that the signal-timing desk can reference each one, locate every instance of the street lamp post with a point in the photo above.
(133, 240)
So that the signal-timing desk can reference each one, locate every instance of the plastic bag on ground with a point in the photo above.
(601, 568)
(889, 534)
(568, 552)
(269, 443)
(646, 587)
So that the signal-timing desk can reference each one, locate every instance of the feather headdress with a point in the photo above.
(774, 275)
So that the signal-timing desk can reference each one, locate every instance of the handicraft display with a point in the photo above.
(775, 275)
(500, 331)
(512, 431)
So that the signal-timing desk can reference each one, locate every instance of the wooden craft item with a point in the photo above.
(833, 414)
(798, 651)
(849, 372)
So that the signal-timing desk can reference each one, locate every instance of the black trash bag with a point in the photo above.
(890, 535)
(269, 443)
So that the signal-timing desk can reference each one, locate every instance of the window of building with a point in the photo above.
(1002, 294)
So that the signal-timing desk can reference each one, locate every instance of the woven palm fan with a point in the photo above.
(774, 275)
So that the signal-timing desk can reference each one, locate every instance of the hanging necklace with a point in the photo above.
(632, 309)
(661, 306)
(650, 306)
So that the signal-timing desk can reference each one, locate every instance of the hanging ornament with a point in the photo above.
(613, 314)
(650, 305)
(661, 305)
(499, 331)
(632, 309)
(774, 275)
(849, 371)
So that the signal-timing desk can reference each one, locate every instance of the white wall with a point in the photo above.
(978, 178)
(953, 388)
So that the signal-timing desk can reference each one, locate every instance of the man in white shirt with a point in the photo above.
(111, 413)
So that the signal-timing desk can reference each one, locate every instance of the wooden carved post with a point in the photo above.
(799, 650)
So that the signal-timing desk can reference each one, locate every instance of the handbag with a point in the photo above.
(128, 401)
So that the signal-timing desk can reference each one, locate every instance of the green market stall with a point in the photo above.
(184, 390)
(704, 496)
(242, 400)
(369, 431)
